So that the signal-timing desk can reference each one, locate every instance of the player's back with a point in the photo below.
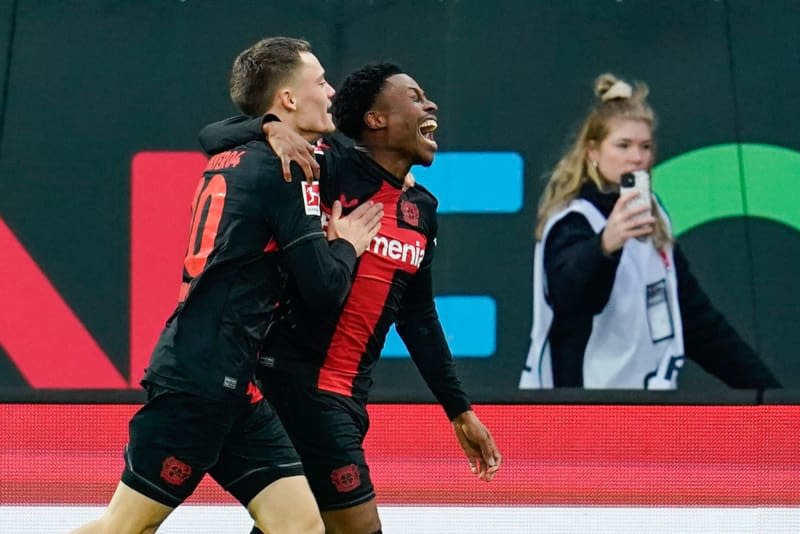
(230, 280)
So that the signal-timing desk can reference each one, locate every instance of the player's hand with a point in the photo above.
(359, 227)
(409, 182)
(624, 223)
(478, 444)
(290, 146)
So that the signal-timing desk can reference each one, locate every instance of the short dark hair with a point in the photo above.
(258, 71)
(357, 94)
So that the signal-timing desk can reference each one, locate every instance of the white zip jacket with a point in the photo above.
(637, 340)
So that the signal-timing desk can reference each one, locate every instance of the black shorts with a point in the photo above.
(176, 438)
(328, 431)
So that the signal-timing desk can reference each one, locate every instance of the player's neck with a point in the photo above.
(289, 120)
(393, 162)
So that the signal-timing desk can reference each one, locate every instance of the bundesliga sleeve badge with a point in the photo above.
(311, 200)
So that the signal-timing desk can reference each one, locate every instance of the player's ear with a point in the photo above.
(286, 99)
(375, 120)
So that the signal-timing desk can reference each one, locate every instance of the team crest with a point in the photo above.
(311, 200)
(175, 472)
(409, 212)
(346, 478)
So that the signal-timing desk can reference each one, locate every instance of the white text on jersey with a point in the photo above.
(397, 250)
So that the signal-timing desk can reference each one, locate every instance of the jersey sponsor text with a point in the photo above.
(397, 250)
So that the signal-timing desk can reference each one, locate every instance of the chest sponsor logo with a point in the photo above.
(412, 254)
(311, 200)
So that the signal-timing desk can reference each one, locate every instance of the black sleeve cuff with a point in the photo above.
(456, 407)
(345, 252)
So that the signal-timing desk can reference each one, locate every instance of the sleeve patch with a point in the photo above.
(311, 200)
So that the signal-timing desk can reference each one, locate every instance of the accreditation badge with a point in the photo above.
(659, 315)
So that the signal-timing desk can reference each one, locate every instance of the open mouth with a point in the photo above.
(426, 130)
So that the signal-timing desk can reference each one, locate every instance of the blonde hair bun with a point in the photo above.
(609, 87)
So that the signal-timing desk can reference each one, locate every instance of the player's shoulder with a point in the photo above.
(252, 161)
(259, 152)
(334, 144)
(422, 195)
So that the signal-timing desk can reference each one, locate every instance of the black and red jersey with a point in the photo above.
(337, 351)
(392, 284)
(244, 217)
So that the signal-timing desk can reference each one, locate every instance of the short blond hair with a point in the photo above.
(261, 69)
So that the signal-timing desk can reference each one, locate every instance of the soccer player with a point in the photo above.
(316, 368)
(203, 413)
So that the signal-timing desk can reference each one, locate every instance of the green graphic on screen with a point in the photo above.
(730, 180)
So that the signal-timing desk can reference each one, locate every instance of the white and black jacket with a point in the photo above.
(577, 295)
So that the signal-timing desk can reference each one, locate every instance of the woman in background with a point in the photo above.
(611, 311)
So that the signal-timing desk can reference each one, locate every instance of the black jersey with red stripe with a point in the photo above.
(392, 284)
(245, 217)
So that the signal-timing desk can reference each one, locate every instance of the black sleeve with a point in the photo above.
(579, 276)
(230, 133)
(419, 328)
(711, 341)
(323, 271)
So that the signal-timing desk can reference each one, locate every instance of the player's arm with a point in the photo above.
(287, 144)
(229, 133)
(419, 326)
(323, 270)
(420, 329)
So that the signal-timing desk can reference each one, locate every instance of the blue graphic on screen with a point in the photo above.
(475, 182)
(465, 183)
(469, 323)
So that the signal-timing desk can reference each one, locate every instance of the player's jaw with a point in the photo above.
(322, 106)
(315, 120)
(327, 121)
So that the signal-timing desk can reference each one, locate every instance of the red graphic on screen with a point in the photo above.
(28, 296)
(598, 455)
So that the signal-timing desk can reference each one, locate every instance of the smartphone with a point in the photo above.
(637, 181)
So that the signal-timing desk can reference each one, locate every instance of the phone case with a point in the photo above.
(637, 181)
